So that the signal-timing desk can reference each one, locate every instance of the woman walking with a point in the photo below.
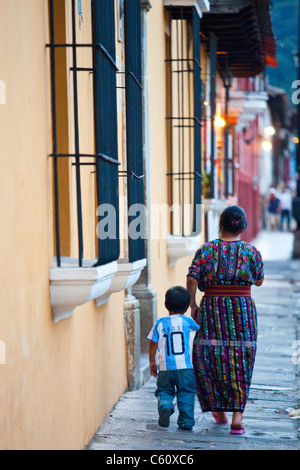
(225, 346)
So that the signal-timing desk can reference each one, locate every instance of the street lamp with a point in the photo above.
(219, 121)
(270, 130)
(266, 145)
(227, 78)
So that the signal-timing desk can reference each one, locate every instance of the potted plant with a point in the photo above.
(206, 188)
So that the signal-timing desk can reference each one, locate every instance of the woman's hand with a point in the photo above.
(194, 312)
(259, 282)
(191, 285)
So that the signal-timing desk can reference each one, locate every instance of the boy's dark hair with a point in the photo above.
(177, 299)
(233, 219)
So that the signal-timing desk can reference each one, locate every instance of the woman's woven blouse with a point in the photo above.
(226, 263)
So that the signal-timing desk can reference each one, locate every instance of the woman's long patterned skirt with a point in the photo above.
(224, 352)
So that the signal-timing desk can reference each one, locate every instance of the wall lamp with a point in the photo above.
(219, 121)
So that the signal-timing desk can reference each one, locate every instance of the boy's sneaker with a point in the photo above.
(164, 416)
(185, 428)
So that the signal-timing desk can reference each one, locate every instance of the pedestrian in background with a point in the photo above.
(225, 346)
(286, 202)
(170, 335)
(274, 210)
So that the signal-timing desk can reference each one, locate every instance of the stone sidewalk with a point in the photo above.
(132, 424)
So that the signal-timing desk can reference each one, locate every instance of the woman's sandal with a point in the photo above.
(237, 430)
(218, 420)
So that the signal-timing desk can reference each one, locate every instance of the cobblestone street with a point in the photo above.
(132, 424)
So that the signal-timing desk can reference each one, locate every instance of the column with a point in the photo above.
(143, 290)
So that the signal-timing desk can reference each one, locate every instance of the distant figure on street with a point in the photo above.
(286, 202)
(274, 210)
(170, 335)
(225, 346)
(292, 185)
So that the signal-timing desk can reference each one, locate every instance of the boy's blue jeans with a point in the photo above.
(179, 383)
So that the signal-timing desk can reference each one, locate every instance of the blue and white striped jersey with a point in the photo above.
(172, 333)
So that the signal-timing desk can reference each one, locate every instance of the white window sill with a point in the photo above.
(179, 247)
(71, 286)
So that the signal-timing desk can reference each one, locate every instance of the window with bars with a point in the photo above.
(106, 129)
(134, 126)
(184, 121)
(86, 70)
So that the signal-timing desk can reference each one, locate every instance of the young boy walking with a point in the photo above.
(170, 335)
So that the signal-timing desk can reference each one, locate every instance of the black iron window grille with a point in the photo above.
(184, 120)
(134, 128)
(106, 127)
(105, 156)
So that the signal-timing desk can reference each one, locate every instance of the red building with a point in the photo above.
(248, 107)
(247, 175)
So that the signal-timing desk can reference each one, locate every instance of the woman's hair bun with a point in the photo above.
(233, 219)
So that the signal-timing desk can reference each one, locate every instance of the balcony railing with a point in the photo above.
(250, 84)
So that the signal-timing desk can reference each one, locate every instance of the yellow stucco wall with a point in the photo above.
(60, 380)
